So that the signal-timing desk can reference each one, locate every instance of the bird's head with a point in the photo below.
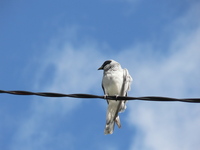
(109, 64)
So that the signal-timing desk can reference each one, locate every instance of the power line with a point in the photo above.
(148, 98)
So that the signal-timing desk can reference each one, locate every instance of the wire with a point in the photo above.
(149, 98)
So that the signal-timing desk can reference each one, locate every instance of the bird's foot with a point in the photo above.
(105, 96)
(116, 96)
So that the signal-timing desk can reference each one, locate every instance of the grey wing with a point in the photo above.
(127, 79)
(104, 91)
(127, 82)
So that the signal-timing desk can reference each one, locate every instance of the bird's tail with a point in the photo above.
(111, 118)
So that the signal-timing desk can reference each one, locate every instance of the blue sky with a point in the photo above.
(57, 46)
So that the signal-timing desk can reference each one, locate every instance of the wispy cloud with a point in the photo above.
(65, 67)
(168, 125)
(69, 65)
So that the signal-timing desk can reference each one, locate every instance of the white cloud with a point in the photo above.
(162, 125)
(66, 67)
(159, 125)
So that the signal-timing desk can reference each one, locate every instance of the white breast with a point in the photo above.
(112, 82)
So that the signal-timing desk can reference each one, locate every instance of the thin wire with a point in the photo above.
(149, 98)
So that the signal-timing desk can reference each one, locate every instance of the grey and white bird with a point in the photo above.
(116, 82)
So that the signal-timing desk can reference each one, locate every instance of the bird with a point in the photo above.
(116, 82)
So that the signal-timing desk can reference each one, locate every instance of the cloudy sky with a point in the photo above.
(57, 46)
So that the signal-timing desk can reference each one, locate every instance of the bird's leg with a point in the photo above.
(116, 97)
(105, 96)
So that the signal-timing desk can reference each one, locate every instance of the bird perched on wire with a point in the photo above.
(116, 82)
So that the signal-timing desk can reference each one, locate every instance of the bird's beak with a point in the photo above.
(101, 68)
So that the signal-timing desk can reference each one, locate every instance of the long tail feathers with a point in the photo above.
(109, 128)
(110, 125)
(112, 118)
